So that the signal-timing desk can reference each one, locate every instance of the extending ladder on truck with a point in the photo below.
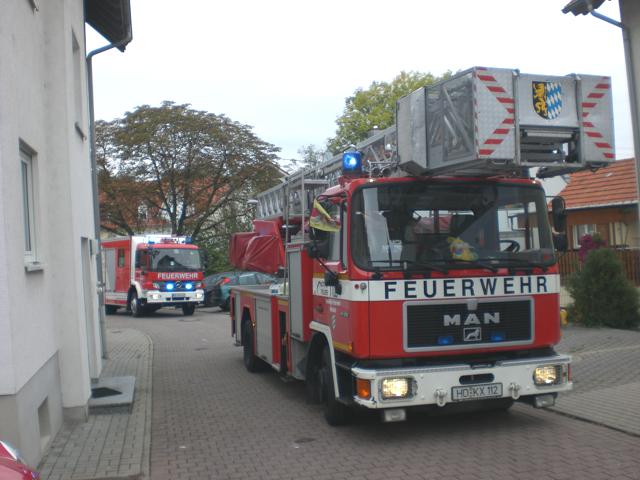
(483, 121)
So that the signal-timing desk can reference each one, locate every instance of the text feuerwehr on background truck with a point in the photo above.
(419, 269)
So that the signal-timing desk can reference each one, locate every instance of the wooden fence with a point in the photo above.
(569, 263)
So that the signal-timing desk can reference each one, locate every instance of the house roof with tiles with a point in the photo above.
(610, 186)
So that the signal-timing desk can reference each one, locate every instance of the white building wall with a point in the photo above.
(44, 349)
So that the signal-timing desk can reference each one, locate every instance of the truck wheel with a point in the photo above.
(134, 305)
(251, 362)
(335, 413)
(207, 299)
(188, 309)
(110, 309)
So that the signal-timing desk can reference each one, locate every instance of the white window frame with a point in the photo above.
(29, 209)
(618, 234)
(581, 230)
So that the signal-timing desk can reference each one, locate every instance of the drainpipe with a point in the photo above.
(94, 185)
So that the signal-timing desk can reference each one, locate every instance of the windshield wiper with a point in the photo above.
(524, 264)
(416, 265)
(478, 263)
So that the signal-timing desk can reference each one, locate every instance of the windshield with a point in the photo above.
(405, 225)
(175, 260)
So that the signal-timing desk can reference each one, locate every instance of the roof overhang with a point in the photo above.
(629, 203)
(111, 19)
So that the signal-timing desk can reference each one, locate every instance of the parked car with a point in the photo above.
(217, 286)
(12, 467)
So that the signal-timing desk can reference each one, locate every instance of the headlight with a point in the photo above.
(154, 296)
(549, 375)
(393, 388)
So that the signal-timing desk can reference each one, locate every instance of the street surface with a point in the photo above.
(213, 419)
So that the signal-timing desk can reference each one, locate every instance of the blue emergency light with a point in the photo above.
(445, 340)
(498, 336)
(169, 286)
(351, 162)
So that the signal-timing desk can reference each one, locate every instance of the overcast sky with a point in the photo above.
(286, 67)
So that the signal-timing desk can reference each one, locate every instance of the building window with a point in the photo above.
(28, 203)
(78, 90)
(618, 234)
(581, 230)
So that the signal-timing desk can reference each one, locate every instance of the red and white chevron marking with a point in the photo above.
(590, 129)
(499, 134)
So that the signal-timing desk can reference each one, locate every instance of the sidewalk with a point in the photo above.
(116, 445)
(110, 444)
(606, 377)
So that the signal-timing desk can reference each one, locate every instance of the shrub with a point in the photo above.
(588, 243)
(602, 294)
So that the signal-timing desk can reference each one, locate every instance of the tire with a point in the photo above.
(207, 299)
(251, 362)
(335, 412)
(134, 306)
(188, 309)
(110, 309)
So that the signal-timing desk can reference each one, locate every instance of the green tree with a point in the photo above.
(310, 156)
(375, 107)
(602, 295)
(182, 170)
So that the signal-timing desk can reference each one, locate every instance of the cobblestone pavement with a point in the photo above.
(606, 376)
(212, 419)
(109, 445)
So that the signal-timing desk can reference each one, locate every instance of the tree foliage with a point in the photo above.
(375, 107)
(602, 295)
(173, 168)
(310, 156)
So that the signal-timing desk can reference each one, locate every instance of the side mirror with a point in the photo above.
(331, 279)
(318, 248)
(560, 242)
(559, 214)
(312, 250)
(204, 258)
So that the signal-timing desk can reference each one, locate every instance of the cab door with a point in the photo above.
(123, 270)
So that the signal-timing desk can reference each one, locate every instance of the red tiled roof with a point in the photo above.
(613, 185)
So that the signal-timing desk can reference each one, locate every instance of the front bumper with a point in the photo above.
(156, 297)
(435, 385)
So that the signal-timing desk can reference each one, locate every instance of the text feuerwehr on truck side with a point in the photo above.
(419, 269)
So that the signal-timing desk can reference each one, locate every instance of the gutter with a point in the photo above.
(94, 173)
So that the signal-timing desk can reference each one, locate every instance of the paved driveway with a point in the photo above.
(212, 419)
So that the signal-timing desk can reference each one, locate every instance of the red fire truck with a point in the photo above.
(418, 269)
(144, 273)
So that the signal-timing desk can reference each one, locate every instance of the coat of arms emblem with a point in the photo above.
(547, 99)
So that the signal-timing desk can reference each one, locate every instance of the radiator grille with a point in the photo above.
(443, 325)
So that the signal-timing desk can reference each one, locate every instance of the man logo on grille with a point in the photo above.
(547, 99)
(472, 318)
(472, 334)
